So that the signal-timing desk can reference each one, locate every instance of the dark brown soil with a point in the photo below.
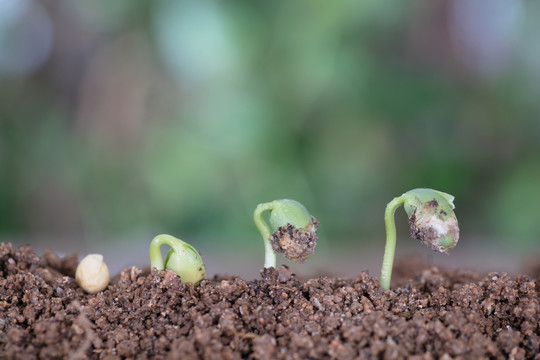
(437, 314)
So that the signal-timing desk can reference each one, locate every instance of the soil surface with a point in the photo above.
(436, 314)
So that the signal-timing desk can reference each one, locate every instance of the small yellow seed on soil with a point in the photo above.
(92, 274)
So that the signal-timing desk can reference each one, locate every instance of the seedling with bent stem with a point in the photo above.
(182, 258)
(431, 219)
(293, 234)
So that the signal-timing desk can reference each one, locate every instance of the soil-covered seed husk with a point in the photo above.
(445, 314)
(296, 244)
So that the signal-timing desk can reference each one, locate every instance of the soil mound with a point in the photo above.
(445, 314)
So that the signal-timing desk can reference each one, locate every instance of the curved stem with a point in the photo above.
(156, 261)
(390, 248)
(266, 233)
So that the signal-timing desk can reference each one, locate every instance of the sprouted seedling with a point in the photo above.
(431, 219)
(293, 234)
(182, 258)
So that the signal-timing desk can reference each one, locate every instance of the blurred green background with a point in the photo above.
(123, 119)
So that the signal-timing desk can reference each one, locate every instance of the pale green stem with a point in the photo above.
(390, 248)
(266, 233)
(156, 261)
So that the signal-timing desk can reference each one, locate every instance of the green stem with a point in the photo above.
(390, 248)
(266, 233)
(156, 261)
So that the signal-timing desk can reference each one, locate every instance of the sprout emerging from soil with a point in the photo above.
(182, 258)
(293, 234)
(92, 274)
(431, 219)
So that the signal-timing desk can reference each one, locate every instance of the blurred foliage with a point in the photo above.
(180, 116)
